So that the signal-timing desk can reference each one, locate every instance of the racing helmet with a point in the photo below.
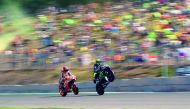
(65, 69)
(98, 61)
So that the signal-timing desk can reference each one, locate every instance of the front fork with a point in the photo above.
(105, 84)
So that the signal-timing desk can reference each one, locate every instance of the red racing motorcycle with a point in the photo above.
(69, 85)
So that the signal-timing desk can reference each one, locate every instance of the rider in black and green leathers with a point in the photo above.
(98, 71)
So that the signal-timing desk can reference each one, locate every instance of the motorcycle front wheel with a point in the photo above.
(111, 76)
(75, 90)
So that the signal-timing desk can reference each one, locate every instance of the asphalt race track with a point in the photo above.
(93, 101)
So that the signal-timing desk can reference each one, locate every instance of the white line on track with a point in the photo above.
(95, 93)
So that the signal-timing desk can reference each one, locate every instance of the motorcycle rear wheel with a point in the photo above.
(99, 89)
(62, 92)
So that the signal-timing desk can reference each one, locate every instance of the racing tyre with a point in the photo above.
(75, 90)
(99, 89)
(111, 76)
(62, 92)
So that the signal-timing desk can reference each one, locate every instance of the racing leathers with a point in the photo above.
(99, 73)
(66, 78)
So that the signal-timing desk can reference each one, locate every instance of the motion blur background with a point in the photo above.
(137, 38)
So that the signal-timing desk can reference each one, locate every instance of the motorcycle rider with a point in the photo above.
(99, 72)
(66, 77)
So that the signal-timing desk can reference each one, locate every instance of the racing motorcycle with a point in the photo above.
(109, 76)
(69, 85)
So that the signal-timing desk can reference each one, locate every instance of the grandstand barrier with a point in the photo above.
(154, 84)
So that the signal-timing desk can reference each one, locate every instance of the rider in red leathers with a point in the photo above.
(66, 78)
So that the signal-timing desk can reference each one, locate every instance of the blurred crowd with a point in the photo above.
(115, 32)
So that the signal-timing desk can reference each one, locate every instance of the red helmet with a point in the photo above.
(65, 69)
